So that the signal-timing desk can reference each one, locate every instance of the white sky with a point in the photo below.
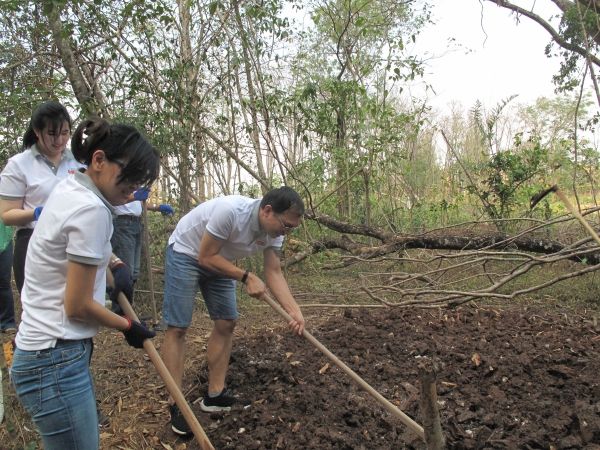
(497, 57)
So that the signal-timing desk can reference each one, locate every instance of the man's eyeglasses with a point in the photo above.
(285, 226)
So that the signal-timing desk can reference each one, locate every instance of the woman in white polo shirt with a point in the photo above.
(30, 176)
(65, 281)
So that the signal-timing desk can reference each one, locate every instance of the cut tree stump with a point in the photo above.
(434, 437)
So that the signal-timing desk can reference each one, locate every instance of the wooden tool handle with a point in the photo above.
(563, 198)
(169, 381)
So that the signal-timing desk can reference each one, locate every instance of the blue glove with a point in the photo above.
(123, 283)
(36, 212)
(141, 194)
(166, 210)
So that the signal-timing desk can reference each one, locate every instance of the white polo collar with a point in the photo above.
(255, 227)
(87, 182)
(65, 154)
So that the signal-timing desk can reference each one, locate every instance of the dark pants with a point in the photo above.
(21, 244)
(126, 243)
(7, 305)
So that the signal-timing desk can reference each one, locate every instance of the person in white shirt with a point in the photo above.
(30, 176)
(28, 179)
(127, 236)
(65, 282)
(200, 255)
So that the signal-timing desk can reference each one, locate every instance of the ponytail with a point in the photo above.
(119, 142)
(88, 137)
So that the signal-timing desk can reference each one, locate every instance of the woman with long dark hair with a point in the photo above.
(30, 176)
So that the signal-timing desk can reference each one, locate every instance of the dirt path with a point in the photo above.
(512, 378)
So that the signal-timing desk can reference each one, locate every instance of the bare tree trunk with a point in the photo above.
(192, 142)
(202, 167)
(83, 93)
(252, 97)
(343, 192)
(366, 176)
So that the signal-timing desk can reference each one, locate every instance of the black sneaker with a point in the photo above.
(225, 401)
(178, 423)
(103, 420)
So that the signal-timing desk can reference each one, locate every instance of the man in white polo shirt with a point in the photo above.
(199, 256)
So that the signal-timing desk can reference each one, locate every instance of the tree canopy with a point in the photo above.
(242, 96)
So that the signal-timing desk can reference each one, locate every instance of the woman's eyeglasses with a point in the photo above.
(121, 164)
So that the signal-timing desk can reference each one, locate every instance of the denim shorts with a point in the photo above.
(55, 387)
(183, 278)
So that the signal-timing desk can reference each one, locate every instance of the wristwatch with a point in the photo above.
(245, 277)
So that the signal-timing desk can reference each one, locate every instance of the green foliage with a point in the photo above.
(506, 174)
(265, 16)
(29, 74)
(326, 106)
(425, 216)
(355, 132)
(578, 21)
(251, 190)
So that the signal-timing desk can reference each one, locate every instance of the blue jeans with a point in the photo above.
(7, 305)
(183, 278)
(126, 242)
(55, 387)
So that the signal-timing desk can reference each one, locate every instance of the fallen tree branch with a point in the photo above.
(465, 266)
(362, 252)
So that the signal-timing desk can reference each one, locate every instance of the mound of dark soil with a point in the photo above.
(517, 378)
